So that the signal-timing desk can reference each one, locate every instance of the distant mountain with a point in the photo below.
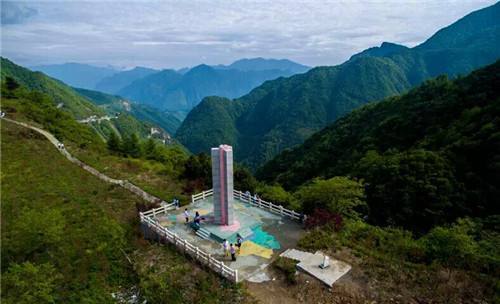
(153, 89)
(114, 83)
(113, 104)
(62, 95)
(385, 49)
(170, 90)
(262, 64)
(76, 74)
(282, 113)
(426, 157)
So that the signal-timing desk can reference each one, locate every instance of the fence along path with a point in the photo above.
(123, 183)
(149, 216)
(260, 203)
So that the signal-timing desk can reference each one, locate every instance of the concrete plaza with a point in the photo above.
(266, 235)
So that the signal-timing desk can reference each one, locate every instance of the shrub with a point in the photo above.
(287, 267)
(318, 238)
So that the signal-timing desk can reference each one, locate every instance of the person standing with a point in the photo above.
(233, 252)
(186, 215)
(239, 241)
(225, 246)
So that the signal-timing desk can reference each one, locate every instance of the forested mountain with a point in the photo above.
(113, 104)
(114, 83)
(61, 94)
(76, 74)
(426, 157)
(170, 90)
(82, 104)
(282, 113)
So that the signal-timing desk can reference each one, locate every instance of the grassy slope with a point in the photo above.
(98, 220)
(58, 91)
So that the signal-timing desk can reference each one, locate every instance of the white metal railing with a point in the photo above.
(148, 218)
(260, 203)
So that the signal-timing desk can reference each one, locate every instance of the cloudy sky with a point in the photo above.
(186, 33)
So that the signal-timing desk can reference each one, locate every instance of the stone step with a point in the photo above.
(203, 233)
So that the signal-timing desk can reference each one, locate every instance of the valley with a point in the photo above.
(158, 153)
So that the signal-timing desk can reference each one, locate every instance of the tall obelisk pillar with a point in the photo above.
(222, 180)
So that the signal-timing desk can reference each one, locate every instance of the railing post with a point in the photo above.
(281, 209)
(236, 275)
(197, 252)
(192, 199)
(209, 259)
(260, 202)
(203, 194)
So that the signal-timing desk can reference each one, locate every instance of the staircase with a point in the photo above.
(203, 233)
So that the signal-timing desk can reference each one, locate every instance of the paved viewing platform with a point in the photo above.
(265, 234)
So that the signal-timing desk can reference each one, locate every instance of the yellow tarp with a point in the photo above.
(249, 247)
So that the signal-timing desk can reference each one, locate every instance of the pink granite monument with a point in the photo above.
(222, 180)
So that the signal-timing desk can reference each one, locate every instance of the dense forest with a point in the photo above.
(425, 158)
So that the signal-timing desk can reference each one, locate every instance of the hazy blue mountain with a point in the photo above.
(284, 112)
(114, 83)
(262, 64)
(170, 90)
(76, 74)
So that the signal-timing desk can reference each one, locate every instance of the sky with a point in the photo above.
(175, 34)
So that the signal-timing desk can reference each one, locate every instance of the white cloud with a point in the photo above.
(186, 33)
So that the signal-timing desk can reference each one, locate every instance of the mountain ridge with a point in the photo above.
(323, 94)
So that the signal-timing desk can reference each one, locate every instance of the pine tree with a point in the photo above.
(131, 146)
(114, 143)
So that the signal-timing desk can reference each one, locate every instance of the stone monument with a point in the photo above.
(222, 180)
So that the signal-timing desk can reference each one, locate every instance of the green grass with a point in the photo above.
(84, 223)
(76, 229)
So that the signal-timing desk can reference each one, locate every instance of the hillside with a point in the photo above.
(68, 237)
(76, 74)
(113, 104)
(114, 83)
(169, 90)
(284, 112)
(426, 157)
(60, 93)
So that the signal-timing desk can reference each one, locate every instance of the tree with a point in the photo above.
(339, 195)
(416, 189)
(114, 143)
(451, 246)
(243, 179)
(29, 283)
(149, 149)
(198, 169)
(11, 83)
(275, 194)
(131, 146)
